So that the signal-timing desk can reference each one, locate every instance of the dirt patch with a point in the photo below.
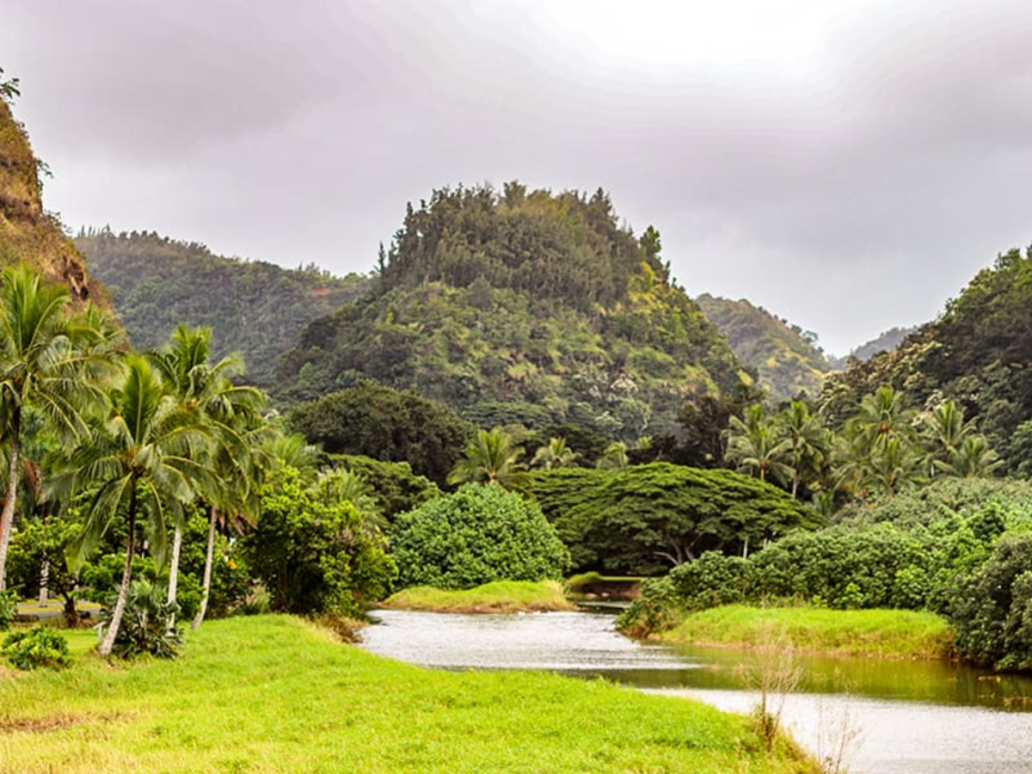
(49, 722)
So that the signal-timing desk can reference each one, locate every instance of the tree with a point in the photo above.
(491, 458)
(145, 461)
(477, 535)
(808, 442)
(556, 454)
(614, 458)
(9, 88)
(50, 359)
(755, 444)
(229, 413)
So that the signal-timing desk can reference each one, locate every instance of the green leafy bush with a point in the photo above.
(477, 535)
(8, 609)
(144, 626)
(36, 647)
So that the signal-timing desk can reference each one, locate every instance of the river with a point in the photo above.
(902, 716)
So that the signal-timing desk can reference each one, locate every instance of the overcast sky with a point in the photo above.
(847, 165)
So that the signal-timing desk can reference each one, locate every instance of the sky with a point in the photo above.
(849, 166)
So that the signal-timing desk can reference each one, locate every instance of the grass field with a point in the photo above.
(881, 633)
(497, 597)
(275, 693)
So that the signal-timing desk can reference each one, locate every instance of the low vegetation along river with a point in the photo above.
(903, 716)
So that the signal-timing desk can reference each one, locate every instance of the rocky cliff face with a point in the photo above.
(27, 232)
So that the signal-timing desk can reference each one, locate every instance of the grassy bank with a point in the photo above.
(497, 597)
(269, 694)
(881, 633)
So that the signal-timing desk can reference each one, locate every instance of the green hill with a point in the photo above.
(978, 352)
(525, 308)
(253, 308)
(785, 358)
(28, 233)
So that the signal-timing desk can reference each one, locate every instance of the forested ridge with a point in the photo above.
(254, 308)
(522, 307)
(786, 358)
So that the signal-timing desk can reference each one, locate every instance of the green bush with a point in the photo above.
(144, 627)
(36, 647)
(477, 535)
(8, 609)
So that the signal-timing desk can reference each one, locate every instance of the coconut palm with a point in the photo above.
(146, 461)
(614, 457)
(491, 458)
(50, 359)
(807, 441)
(556, 454)
(755, 444)
(206, 392)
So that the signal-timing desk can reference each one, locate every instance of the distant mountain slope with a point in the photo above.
(978, 352)
(27, 232)
(787, 361)
(523, 307)
(256, 309)
(886, 342)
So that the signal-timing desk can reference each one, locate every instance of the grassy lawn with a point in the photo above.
(274, 693)
(497, 597)
(881, 633)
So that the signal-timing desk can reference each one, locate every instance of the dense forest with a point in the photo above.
(255, 309)
(523, 307)
(785, 357)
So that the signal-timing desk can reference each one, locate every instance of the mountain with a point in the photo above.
(978, 352)
(253, 308)
(886, 342)
(785, 358)
(523, 307)
(27, 232)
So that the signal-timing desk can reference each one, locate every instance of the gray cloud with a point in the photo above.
(850, 190)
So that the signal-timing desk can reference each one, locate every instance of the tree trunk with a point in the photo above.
(208, 559)
(7, 515)
(108, 643)
(44, 570)
(173, 572)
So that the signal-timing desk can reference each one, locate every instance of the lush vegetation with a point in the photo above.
(477, 535)
(644, 519)
(955, 548)
(372, 715)
(786, 358)
(255, 309)
(494, 597)
(523, 308)
(880, 633)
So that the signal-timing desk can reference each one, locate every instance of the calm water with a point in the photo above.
(911, 717)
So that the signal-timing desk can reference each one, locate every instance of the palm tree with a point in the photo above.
(614, 457)
(755, 444)
(51, 360)
(491, 458)
(556, 454)
(146, 460)
(808, 441)
(944, 436)
(337, 485)
(207, 394)
(974, 459)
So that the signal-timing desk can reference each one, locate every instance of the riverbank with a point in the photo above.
(275, 693)
(497, 597)
(872, 633)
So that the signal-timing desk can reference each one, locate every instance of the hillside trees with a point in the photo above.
(377, 421)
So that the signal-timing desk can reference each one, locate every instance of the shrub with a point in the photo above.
(36, 647)
(144, 626)
(479, 534)
(8, 609)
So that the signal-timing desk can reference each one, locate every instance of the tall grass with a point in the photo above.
(271, 694)
(883, 633)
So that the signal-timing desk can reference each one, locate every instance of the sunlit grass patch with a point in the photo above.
(883, 633)
(496, 597)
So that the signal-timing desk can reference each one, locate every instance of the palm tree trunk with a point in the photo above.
(208, 559)
(123, 591)
(7, 515)
(173, 572)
